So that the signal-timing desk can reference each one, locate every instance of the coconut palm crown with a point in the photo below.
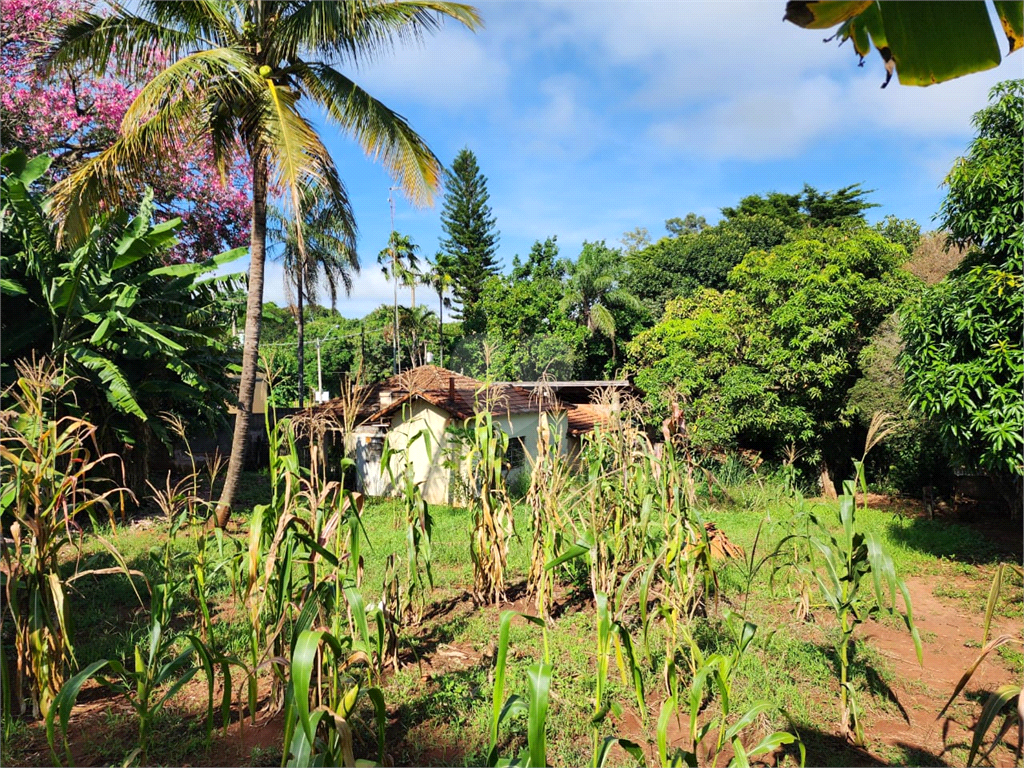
(242, 75)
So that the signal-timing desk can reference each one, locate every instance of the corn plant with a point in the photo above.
(536, 705)
(419, 578)
(50, 480)
(317, 727)
(198, 512)
(850, 558)
(158, 673)
(550, 489)
(999, 703)
(492, 509)
(724, 727)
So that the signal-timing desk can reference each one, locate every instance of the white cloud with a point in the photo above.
(452, 69)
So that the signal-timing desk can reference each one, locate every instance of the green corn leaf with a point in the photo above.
(993, 706)
(739, 758)
(62, 704)
(579, 549)
(303, 659)
(638, 679)
(668, 709)
(358, 606)
(633, 749)
(908, 619)
(772, 742)
(882, 567)
(746, 719)
(540, 687)
(380, 710)
(993, 598)
(965, 678)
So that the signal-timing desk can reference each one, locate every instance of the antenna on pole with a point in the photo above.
(394, 277)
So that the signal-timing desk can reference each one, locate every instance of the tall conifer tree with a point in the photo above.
(470, 237)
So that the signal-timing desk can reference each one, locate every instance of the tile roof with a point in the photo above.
(583, 418)
(459, 395)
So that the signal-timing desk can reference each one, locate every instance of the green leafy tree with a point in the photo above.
(144, 337)
(810, 208)
(770, 362)
(923, 42)
(529, 331)
(905, 232)
(691, 223)
(470, 237)
(964, 364)
(235, 75)
(678, 266)
(327, 259)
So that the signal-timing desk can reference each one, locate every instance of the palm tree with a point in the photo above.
(593, 290)
(327, 261)
(441, 277)
(418, 320)
(400, 265)
(233, 74)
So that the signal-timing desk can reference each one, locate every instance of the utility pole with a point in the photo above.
(394, 277)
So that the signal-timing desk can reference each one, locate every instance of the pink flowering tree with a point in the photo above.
(72, 117)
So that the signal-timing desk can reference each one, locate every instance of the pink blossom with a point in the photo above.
(72, 116)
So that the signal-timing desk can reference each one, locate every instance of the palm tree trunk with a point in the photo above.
(440, 329)
(302, 349)
(250, 350)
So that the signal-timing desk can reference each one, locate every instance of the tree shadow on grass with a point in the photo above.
(828, 749)
(947, 539)
(431, 728)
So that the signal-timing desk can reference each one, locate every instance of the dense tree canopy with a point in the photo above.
(964, 363)
(771, 360)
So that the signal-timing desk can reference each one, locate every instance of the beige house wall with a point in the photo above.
(441, 485)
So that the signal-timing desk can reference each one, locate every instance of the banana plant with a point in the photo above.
(140, 334)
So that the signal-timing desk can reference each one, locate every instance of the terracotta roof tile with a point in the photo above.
(459, 395)
(583, 418)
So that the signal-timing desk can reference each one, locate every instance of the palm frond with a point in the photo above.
(359, 31)
(602, 320)
(109, 181)
(223, 75)
(383, 134)
(197, 18)
(125, 39)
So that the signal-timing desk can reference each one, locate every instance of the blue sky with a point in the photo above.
(592, 118)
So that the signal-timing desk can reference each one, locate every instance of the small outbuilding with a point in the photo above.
(424, 412)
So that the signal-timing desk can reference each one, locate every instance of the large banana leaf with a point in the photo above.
(924, 42)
